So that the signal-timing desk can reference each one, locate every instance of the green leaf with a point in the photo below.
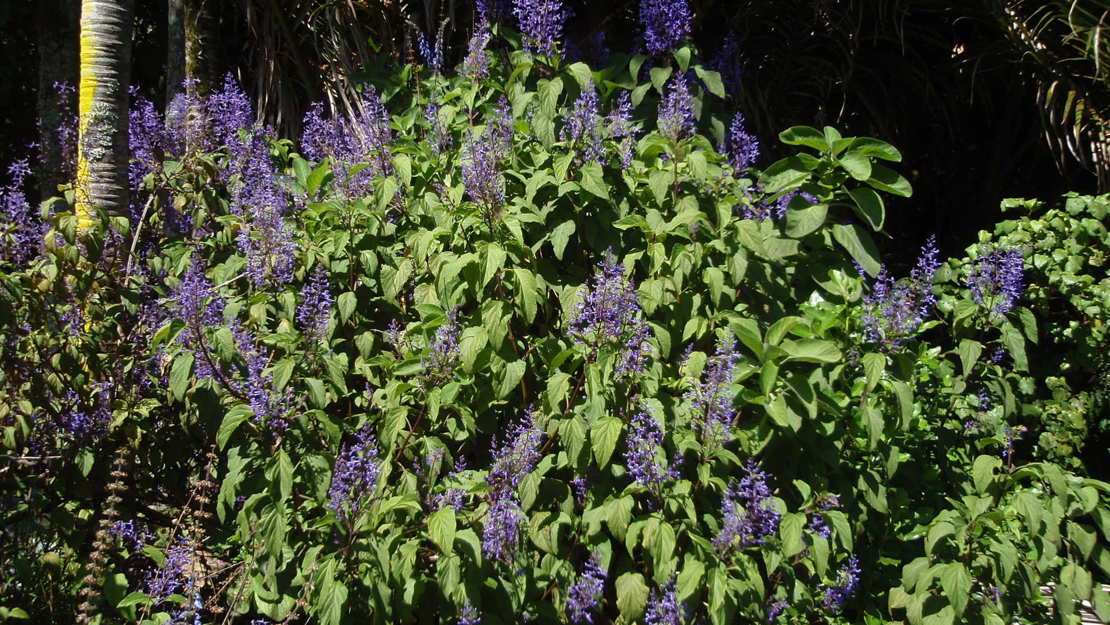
(969, 353)
(711, 80)
(874, 364)
(528, 293)
(582, 75)
(937, 532)
(811, 350)
(632, 594)
(284, 474)
(782, 414)
(471, 343)
(559, 237)
(494, 261)
(134, 598)
(604, 434)
(514, 371)
(593, 180)
(804, 135)
(346, 303)
(889, 181)
(857, 165)
(956, 582)
(807, 220)
(859, 244)
(791, 532)
(441, 529)
(235, 416)
(179, 374)
(870, 206)
(876, 148)
(1015, 345)
(982, 472)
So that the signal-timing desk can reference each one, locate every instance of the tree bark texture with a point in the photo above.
(201, 35)
(56, 23)
(102, 152)
(175, 48)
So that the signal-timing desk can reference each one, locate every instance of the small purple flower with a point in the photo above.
(582, 129)
(493, 11)
(475, 65)
(743, 147)
(259, 388)
(893, 310)
(676, 110)
(749, 512)
(580, 488)
(437, 138)
(18, 227)
(846, 583)
(541, 23)
(610, 315)
(172, 576)
(644, 442)
(482, 157)
(501, 530)
(666, 24)
(133, 536)
(584, 595)
(443, 353)
(356, 475)
(663, 607)
(996, 278)
(432, 54)
(711, 399)
(195, 301)
(316, 304)
(621, 128)
(515, 455)
(469, 615)
(147, 139)
(358, 143)
(229, 111)
(776, 609)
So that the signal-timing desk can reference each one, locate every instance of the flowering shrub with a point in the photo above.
(475, 352)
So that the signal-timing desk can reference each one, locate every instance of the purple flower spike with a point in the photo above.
(316, 305)
(584, 595)
(711, 399)
(749, 513)
(18, 227)
(663, 607)
(583, 127)
(501, 530)
(356, 475)
(666, 24)
(622, 130)
(644, 442)
(676, 110)
(475, 65)
(444, 350)
(469, 615)
(743, 147)
(893, 310)
(541, 23)
(846, 583)
(996, 279)
(610, 315)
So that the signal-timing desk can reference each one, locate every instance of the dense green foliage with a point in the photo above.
(950, 476)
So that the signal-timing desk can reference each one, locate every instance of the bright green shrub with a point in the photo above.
(300, 470)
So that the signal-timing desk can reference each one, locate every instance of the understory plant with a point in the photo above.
(538, 342)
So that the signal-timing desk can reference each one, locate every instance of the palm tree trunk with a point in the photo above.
(175, 48)
(105, 67)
